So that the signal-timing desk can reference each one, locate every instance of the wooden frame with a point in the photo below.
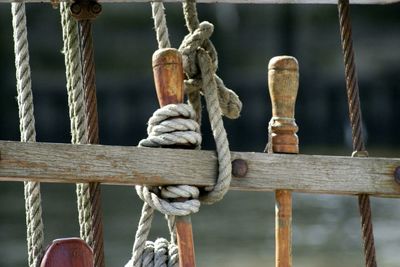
(65, 163)
(232, 1)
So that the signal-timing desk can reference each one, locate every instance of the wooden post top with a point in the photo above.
(68, 252)
(283, 83)
(168, 76)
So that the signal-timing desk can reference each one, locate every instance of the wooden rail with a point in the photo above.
(367, 2)
(65, 163)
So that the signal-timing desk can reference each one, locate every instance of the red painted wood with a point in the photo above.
(68, 252)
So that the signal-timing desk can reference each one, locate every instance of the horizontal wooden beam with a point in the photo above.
(231, 1)
(65, 163)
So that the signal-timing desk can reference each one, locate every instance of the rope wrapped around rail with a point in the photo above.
(178, 124)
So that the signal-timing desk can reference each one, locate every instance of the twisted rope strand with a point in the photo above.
(160, 24)
(34, 222)
(356, 126)
(167, 128)
(76, 111)
(221, 141)
(89, 86)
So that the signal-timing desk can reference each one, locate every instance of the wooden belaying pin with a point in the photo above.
(168, 78)
(283, 83)
(68, 252)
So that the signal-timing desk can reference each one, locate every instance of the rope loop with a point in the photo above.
(167, 200)
(199, 39)
(160, 253)
(172, 124)
(178, 125)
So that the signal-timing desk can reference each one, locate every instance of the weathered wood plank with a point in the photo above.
(65, 163)
(362, 2)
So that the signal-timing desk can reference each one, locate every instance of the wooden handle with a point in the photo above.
(168, 76)
(283, 82)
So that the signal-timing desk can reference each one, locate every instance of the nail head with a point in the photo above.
(239, 168)
(397, 175)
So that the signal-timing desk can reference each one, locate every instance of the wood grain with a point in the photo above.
(122, 165)
(283, 83)
(168, 79)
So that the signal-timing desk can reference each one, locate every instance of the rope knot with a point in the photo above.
(172, 125)
(194, 45)
(158, 253)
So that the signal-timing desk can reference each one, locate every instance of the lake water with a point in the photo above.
(238, 231)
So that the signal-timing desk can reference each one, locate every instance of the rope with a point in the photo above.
(170, 125)
(200, 60)
(160, 24)
(76, 111)
(89, 86)
(356, 126)
(33, 207)
(179, 125)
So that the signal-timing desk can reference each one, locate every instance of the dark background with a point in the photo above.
(246, 37)
(240, 228)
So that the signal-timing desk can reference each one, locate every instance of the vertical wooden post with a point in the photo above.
(283, 82)
(168, 78)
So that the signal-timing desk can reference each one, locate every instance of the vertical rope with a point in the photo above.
(192, 23)
(160, 24)
(356, 126)
(89, 85)
(77, 114)
(33, 207)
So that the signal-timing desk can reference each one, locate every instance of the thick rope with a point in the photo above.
(160, 24)
(176, 125)
(356, 126)
(33, 207)
(77, 114)
(173, 124)
(89, 86)
(200, 61)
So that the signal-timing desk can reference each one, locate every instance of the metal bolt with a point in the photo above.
(75, 9)
(239, 168)
(96, 8)
(397, 175)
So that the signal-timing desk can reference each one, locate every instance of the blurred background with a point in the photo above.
(238, 231)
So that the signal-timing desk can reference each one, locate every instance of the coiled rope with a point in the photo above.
(200, 64)
(33, 207)
(356, 127)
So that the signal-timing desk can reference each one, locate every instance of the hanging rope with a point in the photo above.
(76, 111)
(33, 207)
(160, 24)
(356, 127)
(89, 86)
(200, 61)
(179, 125)
(84, 11)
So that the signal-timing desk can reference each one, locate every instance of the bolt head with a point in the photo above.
(96, 8)
(239, 168)
(75, 9)
(397, 175)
